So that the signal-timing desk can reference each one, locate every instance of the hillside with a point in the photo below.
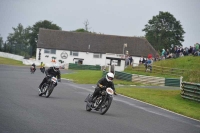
(188, 67)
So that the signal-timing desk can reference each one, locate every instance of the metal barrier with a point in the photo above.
(83, 67)
(120, 75)
(123, 76)
(150, 80)
(190, 91)
(173, 82)
(160, 70)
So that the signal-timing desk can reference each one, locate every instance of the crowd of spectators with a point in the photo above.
(175, 52)
(179, 51)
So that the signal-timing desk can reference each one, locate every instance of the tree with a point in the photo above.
(35, 31)
(18, 39)
(86, 23)
(80, 30)
(164, 30)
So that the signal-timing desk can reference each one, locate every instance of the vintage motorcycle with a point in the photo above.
(48, 87)
(32, 70)
(42, 69)
(102, 101)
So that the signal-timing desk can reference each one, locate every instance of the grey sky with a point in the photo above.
(112, 17)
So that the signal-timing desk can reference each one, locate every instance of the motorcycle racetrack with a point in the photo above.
(23, 111)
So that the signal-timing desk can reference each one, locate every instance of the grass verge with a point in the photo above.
(168, 99)
(92, 77)
(7, 61)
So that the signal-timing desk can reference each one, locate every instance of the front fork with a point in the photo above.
(102, 101)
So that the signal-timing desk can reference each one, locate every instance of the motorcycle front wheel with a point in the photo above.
(49, 91)
(105, 106)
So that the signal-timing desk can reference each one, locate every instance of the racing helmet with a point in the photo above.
(109, 77)
(55, 67)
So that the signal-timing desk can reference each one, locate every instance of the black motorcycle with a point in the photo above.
(102, 101)
(32, 70)
(48, 87)
(42, 69)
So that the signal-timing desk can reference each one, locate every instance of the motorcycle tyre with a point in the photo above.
(88, 108)
(41, 93)
(108, 106)
(49, 91)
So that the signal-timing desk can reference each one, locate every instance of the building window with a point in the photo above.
(97, 55)
(73, 53)
(116, 62)
(50, 51)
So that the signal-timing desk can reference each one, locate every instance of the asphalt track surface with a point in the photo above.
(23, 111)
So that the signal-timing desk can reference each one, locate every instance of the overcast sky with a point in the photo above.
(112, 17)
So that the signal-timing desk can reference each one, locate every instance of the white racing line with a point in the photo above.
(134, 105)
(161, 114)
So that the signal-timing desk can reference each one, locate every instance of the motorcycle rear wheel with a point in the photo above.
(42, 90)
(88, 108)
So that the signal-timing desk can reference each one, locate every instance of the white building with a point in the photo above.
(89, 49)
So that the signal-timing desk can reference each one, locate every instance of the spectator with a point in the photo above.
(196, 47)
(167, 54)
(175, 51)
(163, 54)
(148, 64)
(190, 50)
(157, 57)
(185, 53)
(178, 52)
(130, 60)
(127, 60)
(198, 52)
(143, 60)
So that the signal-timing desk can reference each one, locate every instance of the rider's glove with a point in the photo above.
(100, 85)
(115, 93)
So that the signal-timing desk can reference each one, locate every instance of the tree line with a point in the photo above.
(162, 31)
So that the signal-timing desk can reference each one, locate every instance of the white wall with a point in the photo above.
(136, 61)
(19, 58)
(88, 58)
(11, 56)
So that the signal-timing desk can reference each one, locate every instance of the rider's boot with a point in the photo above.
(39, 90)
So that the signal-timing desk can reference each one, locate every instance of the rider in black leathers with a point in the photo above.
(33, 67)
(103, 83)
(52, 71)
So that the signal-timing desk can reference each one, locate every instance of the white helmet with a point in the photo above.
(109, 77)
(55, 67)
